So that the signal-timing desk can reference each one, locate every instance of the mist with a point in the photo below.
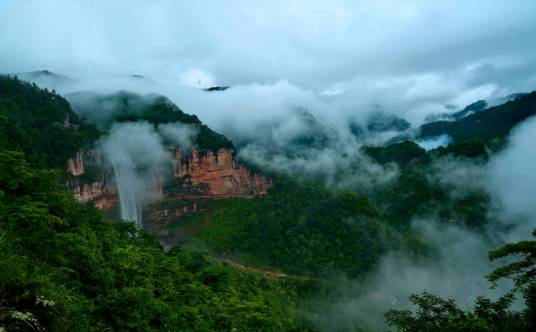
(180, 134)
(339, 60)
(434, 142)
(512, 182)
(460, 263)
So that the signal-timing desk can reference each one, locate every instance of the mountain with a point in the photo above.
(216, 88)
(29, 114)
(65, 267)
(264, 251)
(104, 110)
(490, 123)
(46, 78)
(475, 107)
(201, 167)
(379, 122)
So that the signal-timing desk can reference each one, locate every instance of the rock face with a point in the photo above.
(75, 165)
(193, 180)
(102, 194)
(218, 173)
(91, 183)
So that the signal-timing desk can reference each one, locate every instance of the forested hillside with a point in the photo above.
(104, 110)
(303, 228)
(494, 122)
(41, 124)
(64, 267)
(252, 263)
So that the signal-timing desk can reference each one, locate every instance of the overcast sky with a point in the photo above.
(407, 54)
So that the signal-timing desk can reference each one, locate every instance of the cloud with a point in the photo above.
(458, 263)
(513, 181)
(178, 133)
(434, 142)
(456, 270)
(461, 176)
(407, 57)
(197, 78)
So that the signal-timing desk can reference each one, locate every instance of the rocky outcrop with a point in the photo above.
(75, 165)
(91, 182)
(101, 193)
(194, 179)
(218, 173)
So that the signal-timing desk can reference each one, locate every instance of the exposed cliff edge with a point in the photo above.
(217, 173)
(185, 186)
(92, 182)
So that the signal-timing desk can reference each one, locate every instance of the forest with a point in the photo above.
(66, 267)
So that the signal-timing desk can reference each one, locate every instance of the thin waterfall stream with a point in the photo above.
(129, 189)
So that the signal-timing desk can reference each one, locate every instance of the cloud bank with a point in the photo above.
(337, 59)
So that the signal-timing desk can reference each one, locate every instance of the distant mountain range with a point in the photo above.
(477, 121)
(482, 119)
(46, 78)
(475, 107)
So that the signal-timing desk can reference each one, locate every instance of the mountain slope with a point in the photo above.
(40, 123)
(104, 110)
(64, 267)
(491, 123)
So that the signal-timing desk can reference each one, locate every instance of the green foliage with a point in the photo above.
(161, 110)
(63, 267)
(32, 121)
(522, 271)
(123, 106)
(410, 195)
(301, 227)
(435, 314)
(473, 148)
(417, 193)
(494, 122)
(404, 154)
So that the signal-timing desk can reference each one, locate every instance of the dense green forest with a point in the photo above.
(64, 267)
(303, 228)
(40, 123)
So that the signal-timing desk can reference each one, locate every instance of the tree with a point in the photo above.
(436, 314)
(521, 271)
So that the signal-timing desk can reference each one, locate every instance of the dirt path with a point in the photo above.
(270, 274)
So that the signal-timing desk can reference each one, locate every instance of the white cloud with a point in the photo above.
(513, 180)
(197, 78)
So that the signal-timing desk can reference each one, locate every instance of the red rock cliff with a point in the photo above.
(210, 175)
(220, 174)
(96, 187)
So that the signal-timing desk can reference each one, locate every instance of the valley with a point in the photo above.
(265, 166)
(188, 188)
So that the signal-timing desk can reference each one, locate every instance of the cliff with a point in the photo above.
(91, 182)
(192, 180)
(218, 173)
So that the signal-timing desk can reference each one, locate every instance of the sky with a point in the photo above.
(413, 58)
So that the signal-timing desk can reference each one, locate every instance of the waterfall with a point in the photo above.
(129, 188)
(136, 154)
